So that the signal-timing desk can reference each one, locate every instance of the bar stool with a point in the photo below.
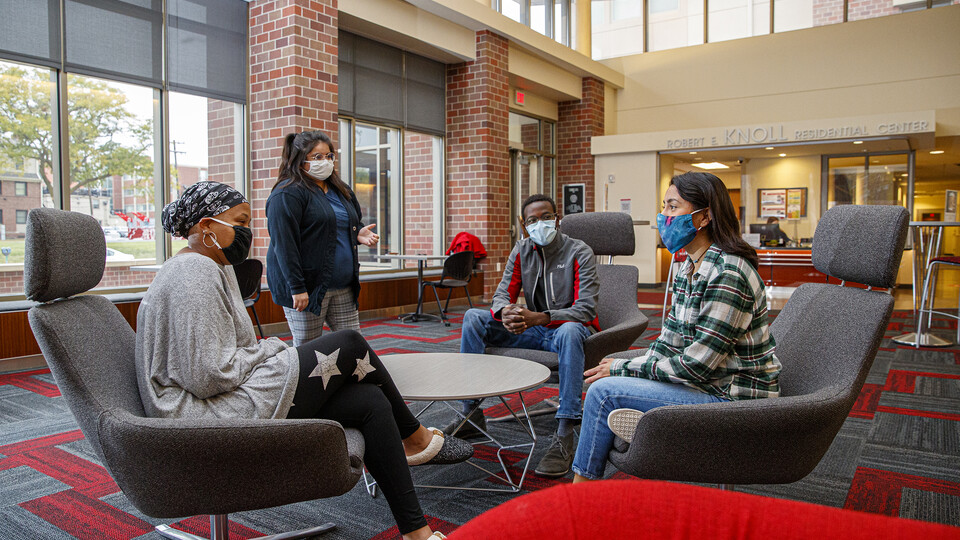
(929, 294)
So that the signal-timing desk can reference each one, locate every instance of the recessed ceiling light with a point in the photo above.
(768, 148)
(857, 142)
(711, 165)
(936, 151)
(783, 155)
(693, 152)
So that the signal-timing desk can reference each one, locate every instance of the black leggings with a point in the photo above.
(372, 405)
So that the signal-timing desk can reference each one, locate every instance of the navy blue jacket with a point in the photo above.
(303, 239)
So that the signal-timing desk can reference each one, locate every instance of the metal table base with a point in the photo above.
(506, 477)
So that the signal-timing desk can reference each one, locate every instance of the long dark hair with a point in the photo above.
(296, 146)
(704, 190)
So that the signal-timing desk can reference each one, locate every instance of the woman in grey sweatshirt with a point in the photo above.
(198, 356)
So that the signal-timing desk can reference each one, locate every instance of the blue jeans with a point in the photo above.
(611, 393)
(480, 330)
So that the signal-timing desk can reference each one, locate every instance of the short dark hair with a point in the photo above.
(773, 219)
(537, 197)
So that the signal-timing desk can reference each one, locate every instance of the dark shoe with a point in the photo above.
(468, 431)
(556, 462)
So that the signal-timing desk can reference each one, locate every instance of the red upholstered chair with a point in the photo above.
(655, 510)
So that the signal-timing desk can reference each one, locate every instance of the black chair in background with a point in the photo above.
(249, 273)
(166, 467)
(457, 271)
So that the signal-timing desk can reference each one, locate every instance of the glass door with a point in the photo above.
(526, 178)
(878, 178)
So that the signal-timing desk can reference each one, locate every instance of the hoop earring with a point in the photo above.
(204, 240)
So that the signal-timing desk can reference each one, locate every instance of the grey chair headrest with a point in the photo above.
(607, 233)
(863, 244)
(65, 254)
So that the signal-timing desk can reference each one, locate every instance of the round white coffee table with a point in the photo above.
(442, 377)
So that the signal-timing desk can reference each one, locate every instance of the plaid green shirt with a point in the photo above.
(716, 338)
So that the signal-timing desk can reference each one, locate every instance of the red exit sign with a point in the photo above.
(520, 98)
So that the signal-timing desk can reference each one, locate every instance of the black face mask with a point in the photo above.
(239, 249)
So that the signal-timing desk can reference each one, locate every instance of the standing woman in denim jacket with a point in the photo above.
(315, 226)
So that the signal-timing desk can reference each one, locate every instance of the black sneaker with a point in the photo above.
(556, 462)
(467, 431)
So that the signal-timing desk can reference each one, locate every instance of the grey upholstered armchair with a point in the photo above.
(826, 337)
(621, 322)
(166, 467)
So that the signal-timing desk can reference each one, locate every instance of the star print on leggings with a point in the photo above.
(363, 367)
(326, 366)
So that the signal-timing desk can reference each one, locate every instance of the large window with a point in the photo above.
(548, 17)
(397, 176)
(83, 110)
(619, 27)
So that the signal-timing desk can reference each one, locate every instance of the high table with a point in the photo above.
(927, 241)
(417, 315)
(443, 377)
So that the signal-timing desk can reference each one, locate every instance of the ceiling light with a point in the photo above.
(936, 151)
(857, 142)
(711, 165)
(693, 152)
(768, 148)
(783, 155)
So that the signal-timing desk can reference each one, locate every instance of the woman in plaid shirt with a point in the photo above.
(715, 344)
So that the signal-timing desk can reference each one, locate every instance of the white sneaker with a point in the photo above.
(623, 422)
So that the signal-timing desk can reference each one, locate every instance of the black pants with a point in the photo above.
(370, 403)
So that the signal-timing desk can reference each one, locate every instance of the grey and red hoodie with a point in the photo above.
(570, 277)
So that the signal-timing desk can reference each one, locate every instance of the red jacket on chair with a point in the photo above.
(467, 242)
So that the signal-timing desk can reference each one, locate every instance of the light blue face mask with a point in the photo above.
(677, 231)
(542, 232)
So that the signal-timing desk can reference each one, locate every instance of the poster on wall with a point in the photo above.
(573, 198)
(950, 205)
(789, 203)
(626, 206)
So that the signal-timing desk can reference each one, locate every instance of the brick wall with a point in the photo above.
(579, 121)
(869, 9)
(827, 12)
(418, 218)
(221, 153)
(293, 87)
(478, 170)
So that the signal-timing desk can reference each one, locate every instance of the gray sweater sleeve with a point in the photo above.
(197, 353)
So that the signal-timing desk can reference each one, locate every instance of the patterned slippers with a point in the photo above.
(442, 450)
(623, 422)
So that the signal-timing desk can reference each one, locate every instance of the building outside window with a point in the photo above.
(548, 17)
(21, 217)
(20, 189)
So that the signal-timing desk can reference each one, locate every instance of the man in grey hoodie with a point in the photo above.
(558, 277)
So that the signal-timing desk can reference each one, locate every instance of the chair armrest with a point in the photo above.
(772, 440)
(614, 339)
(179, 467)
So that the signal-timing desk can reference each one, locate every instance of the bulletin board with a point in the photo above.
(785, 203)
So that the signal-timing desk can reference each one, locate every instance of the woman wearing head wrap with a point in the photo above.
(314, 220)
(198, 356)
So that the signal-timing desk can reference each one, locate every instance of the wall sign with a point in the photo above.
(788, 203)
(573, 198)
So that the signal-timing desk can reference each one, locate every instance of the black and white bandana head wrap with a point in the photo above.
(203, 199)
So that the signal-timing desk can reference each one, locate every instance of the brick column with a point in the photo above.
(293, 87)
(578, 122)
(478, 159)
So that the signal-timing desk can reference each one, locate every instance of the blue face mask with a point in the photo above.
(543, 232)
(677, 231)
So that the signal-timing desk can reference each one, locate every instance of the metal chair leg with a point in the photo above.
(220, 530)
(446, 305)
(257, 320)
(467, 292)
(923, 305)
(443, 315)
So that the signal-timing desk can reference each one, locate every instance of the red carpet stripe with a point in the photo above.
(879, 492)
(200, 526)
(85, 517)
(414, 338)
(82, 475)
(925, 414)
(41, 442)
